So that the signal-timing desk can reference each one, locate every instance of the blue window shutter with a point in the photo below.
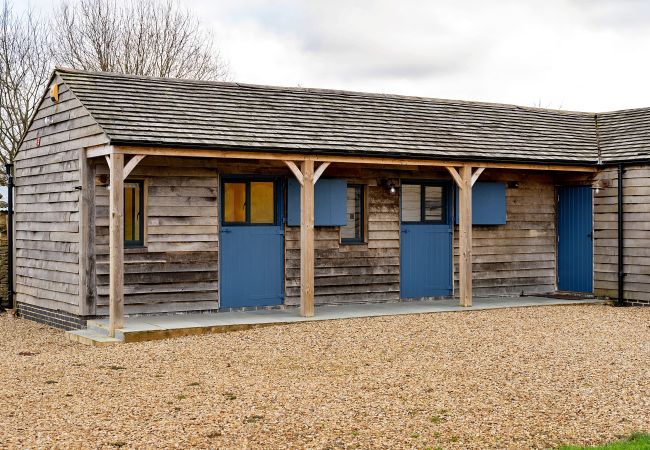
(329, 202)
(488, 203)
(293, 202)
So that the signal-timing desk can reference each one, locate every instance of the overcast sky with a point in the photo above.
(590, 55)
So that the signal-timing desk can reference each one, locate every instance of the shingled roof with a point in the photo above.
(134, 110)
(624, 135)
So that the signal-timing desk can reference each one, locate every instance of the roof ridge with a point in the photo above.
(146, 110)
(63, 70)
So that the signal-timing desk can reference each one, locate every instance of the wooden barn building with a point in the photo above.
(138, 195)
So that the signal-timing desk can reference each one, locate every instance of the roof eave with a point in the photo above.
(329, 152)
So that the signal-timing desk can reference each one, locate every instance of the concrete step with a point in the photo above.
(101, 327)
(89, 337)
(97, 327)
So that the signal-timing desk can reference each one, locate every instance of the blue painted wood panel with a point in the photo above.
(252, 267)
(425, 257)
(575, 239)
(488, 203)
(330, 207)
(252, 258)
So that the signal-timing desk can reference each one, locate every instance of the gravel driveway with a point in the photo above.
(516, 378)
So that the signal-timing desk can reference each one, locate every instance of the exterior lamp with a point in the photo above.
(389, 185)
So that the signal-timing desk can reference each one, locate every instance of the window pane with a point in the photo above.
(128, 212)
(353, 229)
(137, 213)
(262, 207)
(433, 196)
(234, 204)
(132, 212)
(411, 203)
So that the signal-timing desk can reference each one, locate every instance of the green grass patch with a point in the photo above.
(638, 441)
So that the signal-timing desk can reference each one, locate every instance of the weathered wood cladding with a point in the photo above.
(47, 202)
(178, 268)
(636, 217)
(344, 273)
(520, 255)
(347, 273)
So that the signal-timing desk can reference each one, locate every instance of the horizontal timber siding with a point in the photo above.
(47, 203)
(178, 268)
(347, 273)
(520, 255)
(636, 217)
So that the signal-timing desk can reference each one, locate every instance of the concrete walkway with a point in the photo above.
(147, 328)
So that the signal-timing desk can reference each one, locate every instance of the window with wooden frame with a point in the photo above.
(424, 203)
(354, 231)
(134, 213)
(249, 202)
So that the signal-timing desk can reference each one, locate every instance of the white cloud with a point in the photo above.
(575, 54)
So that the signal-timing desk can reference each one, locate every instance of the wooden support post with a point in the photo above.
(307, 240)
(294, 169)
(477, 173)
(454, 174)
(116, 245)
(465, 236)
(128, 167)
(87, 272)
(321, 169)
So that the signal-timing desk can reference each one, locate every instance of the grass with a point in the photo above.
(638, 441)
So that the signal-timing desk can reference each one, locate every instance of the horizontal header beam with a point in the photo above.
(237, 154)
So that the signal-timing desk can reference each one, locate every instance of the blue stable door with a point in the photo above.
(252, 243)
(575, 239)
(425, 245)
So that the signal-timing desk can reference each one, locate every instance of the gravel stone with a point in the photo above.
(512, 378)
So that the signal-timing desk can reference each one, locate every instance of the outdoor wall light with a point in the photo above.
(600, 184)
(389, 185)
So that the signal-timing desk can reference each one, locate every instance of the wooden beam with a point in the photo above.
(128, 167)
(465, 236)
(99, 150)
(87, 275)
(282, 156)
(454, 174)
(108, 160)
(320, 171)
(307, 240)
(294, 169)
(116, 245)
(477, 173)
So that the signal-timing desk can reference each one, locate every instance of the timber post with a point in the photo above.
(116, 244)
(87, 273)
(465, 236)
(465, 180)
(307, 239)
